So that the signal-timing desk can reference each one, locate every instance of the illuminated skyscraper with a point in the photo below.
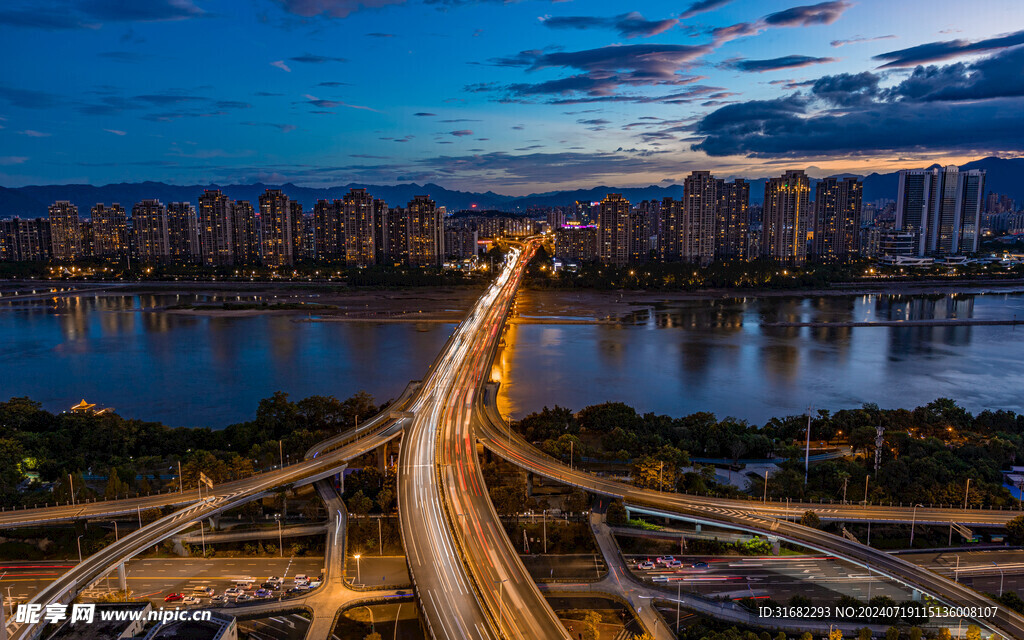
(182, 232)
(700, 201)
(786, 217)
(215, 229)
(670, 230)
(149, 222)
(245, 234)
(65, 231)
(398, 236)
(327, 231)
(295, 212)
(380, 231)
(613, 230)
(943, 207)
(426, 233)
(276, 228)
(837, 205)
(732, 220)
(357, 219)
(110, 231)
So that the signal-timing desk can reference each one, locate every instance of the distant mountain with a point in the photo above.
(1005, 176)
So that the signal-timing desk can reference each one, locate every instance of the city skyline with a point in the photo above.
(514, 97)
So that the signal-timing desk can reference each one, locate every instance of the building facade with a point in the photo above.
(786, 217)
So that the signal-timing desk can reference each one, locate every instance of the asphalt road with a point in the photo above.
(286, 627)
(378, 571)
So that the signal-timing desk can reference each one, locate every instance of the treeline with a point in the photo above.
(53, 446)
(926, 456)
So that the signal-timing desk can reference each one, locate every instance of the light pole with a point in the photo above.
(202, 533)
(280, 451)
(679, 595)
(359, 578)
(545, 531)
(913, 521)
(370, 611)
(280, 538)
(1000, 578)
(397, 613)
(79, 542)
(181, 485)
(967, 492)
(807, 449)
(866, 478)
(71, 488)
(115, 529)
(380, 536)
(764, 499)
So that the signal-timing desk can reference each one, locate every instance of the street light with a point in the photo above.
(913, 521)
(79, 541)
(1000, 578)
(359, 579)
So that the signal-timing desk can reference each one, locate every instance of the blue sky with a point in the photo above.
(516, 97)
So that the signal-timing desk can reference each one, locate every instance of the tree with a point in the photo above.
(115, 487)
(590, 628)
(384, 500)
(359, 504)
(1015, 529)
(373, 636)
(916, 633)
(780, 636)
(652, 473)
(806, 635)
(973, 632)
(864, 634)
(835, 634)
(616, 513)
(945, 634)
(892, 633)
(810, 519)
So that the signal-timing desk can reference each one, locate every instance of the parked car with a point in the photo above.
(191, 600)
(275, 579)
(173, 597)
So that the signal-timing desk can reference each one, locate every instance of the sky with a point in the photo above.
(514, 97)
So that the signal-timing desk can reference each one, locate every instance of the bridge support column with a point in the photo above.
(341, 482)
(629, 516)
(382, 457)
(696, 528)
(915, 596)
(122, 578)
(214, 522)
(529, 484)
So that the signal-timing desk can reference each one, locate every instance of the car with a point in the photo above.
(645, 566)
(221, 599)
(665, 559)
(173, 597)
(262, 594)
(700, 565)
(202, 592)
(232, 592)
(274, 579)
(243, 597)
(675, 564)
(299, 588)
(192, 600)
(300, 578)
(315, 582)
(270, 586)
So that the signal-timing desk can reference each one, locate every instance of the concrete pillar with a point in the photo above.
(529, 484)
(341, 481)
(629, 516)
(214, 522)
(776, 548)
(915, 596)
(382, 457)
(696, 528)
(122, 578)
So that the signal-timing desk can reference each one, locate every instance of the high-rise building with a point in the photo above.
(670, 231)
(786, 217)
(700, 201)
(295, 211)
(25, 240)
(613, 230)
(461, 242)
(214, 218)
(732, 220)
(182, 232)
(380, 231)
(358, 223)
(398, 236)
(576, 243)
(110, 231)
(556, 218)
(245, 233)
(149, 221)
(327, 239)
(65, 231)
(943, 207)
(641, 231)
(426, 233)
(837, 211)
(276, 228)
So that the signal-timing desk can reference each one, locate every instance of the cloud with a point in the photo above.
(116, 132)
(310, 58)
(805, 16)
(334, 84)
(936, 51)
(27, 98)
(380, 35)
(9, 160)
(284, 128)
(331, 104)
(124, 56)
(785, 62)
(594, 121)
(628, 25)
(424, 114)
(846, 89)
(858, 39)
(997, 76)
(32, 133)
(461, 133)
(703, 6)
(281, 65)
(332, 8)
(91, 14)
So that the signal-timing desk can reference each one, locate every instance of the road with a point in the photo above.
(469, 580)
(743, 516)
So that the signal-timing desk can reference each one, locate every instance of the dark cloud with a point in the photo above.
(267, 94)
(284, 128)
(785, 62)
(628, 25)
(935, 51)
(703, 6)
(460, 133)
(594, 121)
(334, 84)
(461, 120)
(845, 89)
(380, 35)
(27, 98)
(331, 8)
(90, 14)
(858, 39)
(310, 58)
(805, 16)
(424, 114)
(997, 76)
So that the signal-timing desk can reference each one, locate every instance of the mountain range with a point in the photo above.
(1004, 176)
